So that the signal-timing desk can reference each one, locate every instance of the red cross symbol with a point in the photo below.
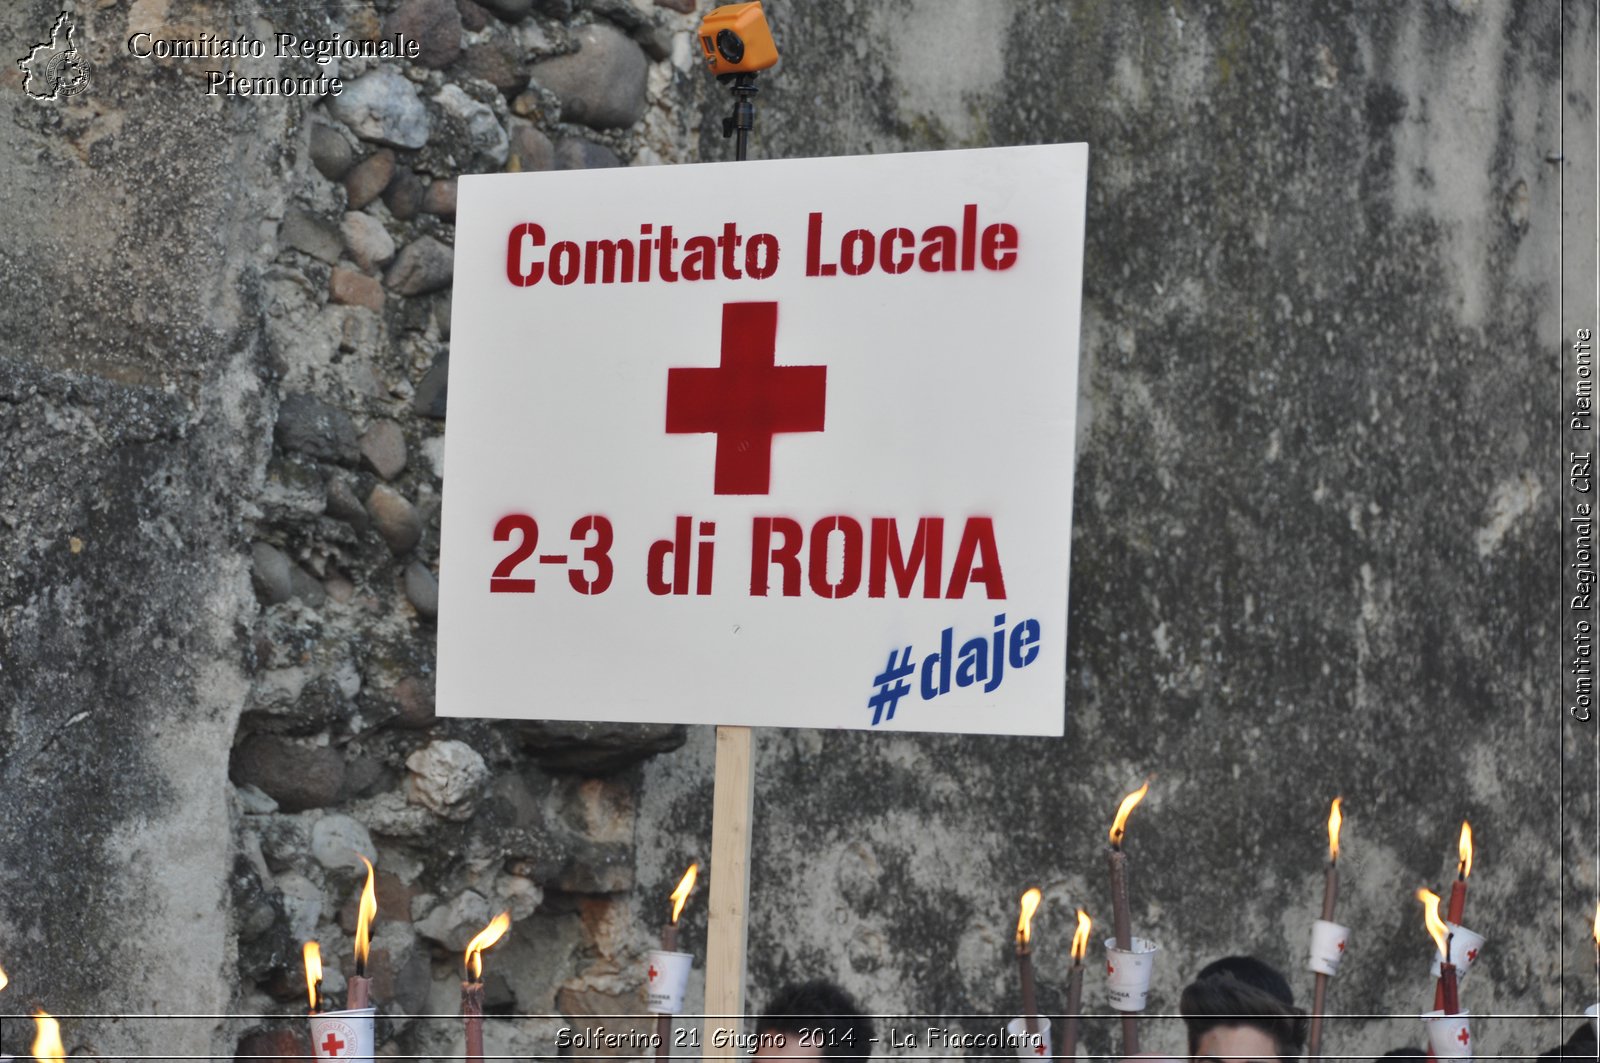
(652, 972)
(333, 1046)
(1472, 956)
(1463, 1036)
(1341, 946)
(747, 399)
(1110, 970)
(1038, 1049)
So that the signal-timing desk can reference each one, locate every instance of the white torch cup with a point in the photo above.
(1327, 947)
(666, 981)
(1036, 1046)
(1465, 948)
(1593, 1011)
(1449, 1036)
(344, 1035)
(1128, 973)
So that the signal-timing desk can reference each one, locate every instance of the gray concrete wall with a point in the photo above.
(1316, 521)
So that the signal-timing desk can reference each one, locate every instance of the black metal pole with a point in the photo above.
(739, 124)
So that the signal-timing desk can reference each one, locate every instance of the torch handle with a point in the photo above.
(1121, 922)
(1330, 891)
(1030, 1002)
(1458, 901)
(1452, 997)
(1069, 1030)
(1130, 1035)
(663, 1036)
(472, 1017)
(1319, 997)
(360, 994)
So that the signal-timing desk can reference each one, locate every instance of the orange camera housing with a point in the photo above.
(735, 39)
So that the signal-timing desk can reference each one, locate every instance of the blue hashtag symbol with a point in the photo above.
(892, 686)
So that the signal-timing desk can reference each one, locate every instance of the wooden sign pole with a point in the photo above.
(727, 926)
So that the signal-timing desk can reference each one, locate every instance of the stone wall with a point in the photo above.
(1316, 494)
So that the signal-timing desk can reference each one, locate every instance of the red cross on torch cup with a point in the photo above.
(332, 1045)
(747, 399)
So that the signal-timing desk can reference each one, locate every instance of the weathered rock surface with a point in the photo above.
(395, 518)
(484, 132)
(383, 448)
(446, 777)
(575, 153)
(422, 590)
(367, 180)
(529, 148)
(424, 265)
(602, 85)
(383, 106)
(331, 151)
(434, 24)
(596, 748)
(367, 240)
(310, 426)
(297, 775)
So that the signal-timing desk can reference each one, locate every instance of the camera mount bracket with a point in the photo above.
(743, 118)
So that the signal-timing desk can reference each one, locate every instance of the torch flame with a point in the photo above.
(486, 937)
(1464, 847)
(4, 981)
(1436, 928)
(364, 916)
(1080, 937)
(1119, 825)
(680, 896)
(313, 957)
(1335, 820)
(1596, 933)
(47, 1046)
(1030, 903)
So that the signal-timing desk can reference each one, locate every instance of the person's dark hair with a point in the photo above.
(1223, 1000)
(823, 1015)
(1252, 972)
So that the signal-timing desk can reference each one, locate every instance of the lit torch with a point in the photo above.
(669, 943)
(1030, 1003)
(1458, 888)
(1330, 894)
(1080, 948)
(4, 981)
(47, 1046)
(313, 957)
(472, 988)
(680, 897)
(1120, 918)
(361, 985)
(1458, 895)
(1451, 1005)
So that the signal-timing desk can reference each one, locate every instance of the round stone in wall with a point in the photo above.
(601, 86)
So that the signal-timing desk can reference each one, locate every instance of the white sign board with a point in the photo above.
(767, 443)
